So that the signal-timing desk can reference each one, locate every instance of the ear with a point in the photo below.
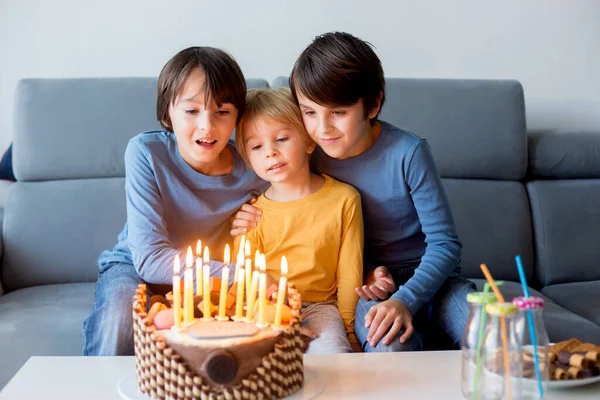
(376, 108)
(311, 147)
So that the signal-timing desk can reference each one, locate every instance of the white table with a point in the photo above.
(419, 375)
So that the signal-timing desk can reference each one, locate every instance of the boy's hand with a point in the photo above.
(390, 313)
(378, 286)
(245, 219)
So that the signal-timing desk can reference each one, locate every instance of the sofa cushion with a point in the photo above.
(573, 155)
(42, 321)
(476, 128)
(566, 221)
(582, 298)
(561, 324)
(79, 128)
(494, 225)
(54, 231)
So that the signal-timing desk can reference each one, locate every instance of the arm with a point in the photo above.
(350, 263)
(148, 237)
(442, 254)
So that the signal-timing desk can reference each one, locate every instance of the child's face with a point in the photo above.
(202, 130)
(276, 150)
(342, 132)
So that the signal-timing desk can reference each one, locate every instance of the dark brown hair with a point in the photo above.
(338, 69)
(224, 82)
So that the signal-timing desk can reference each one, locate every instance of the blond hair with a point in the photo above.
(277, 104)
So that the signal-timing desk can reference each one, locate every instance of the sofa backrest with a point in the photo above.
(69, 202)
(564, 192)
(476, 129)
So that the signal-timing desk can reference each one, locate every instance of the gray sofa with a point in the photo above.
(509, 196)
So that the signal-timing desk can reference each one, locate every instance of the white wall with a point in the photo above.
(551, 46)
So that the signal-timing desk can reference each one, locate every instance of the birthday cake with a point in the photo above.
(206, 358)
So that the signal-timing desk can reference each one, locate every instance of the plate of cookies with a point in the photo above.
(572, 363)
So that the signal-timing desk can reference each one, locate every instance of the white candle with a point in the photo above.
(247, 249)
(188, 288)
(206, 299)
(199, 268)
(176, 292)
(253, 290)
(248, 280)
(262, 295)
(281, 291)
(239, 302)
(224, 285)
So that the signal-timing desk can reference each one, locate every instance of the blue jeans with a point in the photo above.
(446, 313)
(108, 330)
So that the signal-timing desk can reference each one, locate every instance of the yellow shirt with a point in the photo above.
(321, 236)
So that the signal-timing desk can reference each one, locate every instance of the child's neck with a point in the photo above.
(295, 189)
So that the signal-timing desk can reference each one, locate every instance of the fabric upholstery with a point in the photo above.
(494, 225)
(79, 128)
(561, 323)
(573, 155)
(566, 221)
(55, 230)
(42, 321)
(476, 128)
(582, 298)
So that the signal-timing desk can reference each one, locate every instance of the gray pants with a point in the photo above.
(324, 319)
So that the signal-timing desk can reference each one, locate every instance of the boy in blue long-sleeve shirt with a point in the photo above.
(182, 184)
(411, 242)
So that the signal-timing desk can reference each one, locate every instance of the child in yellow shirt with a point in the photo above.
(313, 220)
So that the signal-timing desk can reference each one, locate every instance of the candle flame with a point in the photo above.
(177, 265)
(189, 258)
(199, 248)
(263, 263)
(247, 248)
(206, 255)
(242, 243)
(284, 266)
(227, 258)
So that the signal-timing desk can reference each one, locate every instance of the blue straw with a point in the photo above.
(531, 327)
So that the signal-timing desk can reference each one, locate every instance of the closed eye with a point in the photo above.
(339, 112)
(257, 147)
(309, 113)
(223, 112)
(283, 139)
(191, 112)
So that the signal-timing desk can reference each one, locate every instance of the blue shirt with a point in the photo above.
(407, 218)
(170, 206)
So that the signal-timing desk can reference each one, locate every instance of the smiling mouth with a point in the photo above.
(328, 140)
(206, 143)
(276, 166)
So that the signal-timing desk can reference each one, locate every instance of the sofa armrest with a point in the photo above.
(1, 248)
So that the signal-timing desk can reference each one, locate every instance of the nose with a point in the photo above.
(271, 150)
(323, 125)
(204, 121)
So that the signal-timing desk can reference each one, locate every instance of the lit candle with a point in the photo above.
(206, 299)
(281, 291)
(188, 288)
(199, 268)
(224, 285)
(262, 295)
(247, 249)
(177, 292)
(253, 290)
(239, 302)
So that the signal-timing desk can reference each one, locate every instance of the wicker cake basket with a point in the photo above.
(162, 373)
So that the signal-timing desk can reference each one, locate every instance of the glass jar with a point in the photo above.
(473, 386)
(533, 337)
(502, 353)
